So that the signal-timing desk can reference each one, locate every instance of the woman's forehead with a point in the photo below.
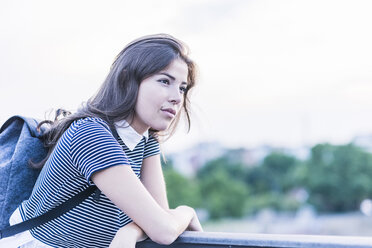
(177, 70)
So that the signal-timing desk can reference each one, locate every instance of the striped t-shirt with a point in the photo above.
(86, 147)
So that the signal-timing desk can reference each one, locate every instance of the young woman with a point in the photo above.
(141, 100)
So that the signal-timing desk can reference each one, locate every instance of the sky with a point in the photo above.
(282, 73)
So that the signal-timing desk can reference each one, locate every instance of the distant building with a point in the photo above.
(248, 156)
(301, 153)
(189, 161)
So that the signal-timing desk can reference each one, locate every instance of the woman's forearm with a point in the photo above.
(128, 236)
(138, 232)
(161, 225)
(182, 215)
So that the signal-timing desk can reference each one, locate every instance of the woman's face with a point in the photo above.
(160, 98)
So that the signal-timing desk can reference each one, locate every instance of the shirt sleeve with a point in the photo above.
(93, 148)
(152, 147)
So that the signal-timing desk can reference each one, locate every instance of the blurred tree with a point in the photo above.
(222, 187)
(277, 173)
(338, 178)
(233, 168)
(223, 195)
(272, 182)
(180, 190)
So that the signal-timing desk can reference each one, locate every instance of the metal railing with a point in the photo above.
(241, 240)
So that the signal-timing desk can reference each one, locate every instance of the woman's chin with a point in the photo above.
(160, 127)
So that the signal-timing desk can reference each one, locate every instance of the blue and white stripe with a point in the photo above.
(85, 148)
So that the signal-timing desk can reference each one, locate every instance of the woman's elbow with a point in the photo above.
(164, 240)
(166, 235)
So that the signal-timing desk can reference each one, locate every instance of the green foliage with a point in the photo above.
(279, 169)
(233, 169)
(181, 190)
(279, 202)
(271, 183)
(275, 174)
(338, 177)
(223, 195)
(222, 188)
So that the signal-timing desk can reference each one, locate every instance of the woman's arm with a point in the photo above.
(153, 179)
(125, 190)
(195, 225)
(128, 236)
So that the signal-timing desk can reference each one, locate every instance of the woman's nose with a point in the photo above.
(175, 95)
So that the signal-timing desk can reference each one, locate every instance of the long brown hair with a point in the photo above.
(116, 98)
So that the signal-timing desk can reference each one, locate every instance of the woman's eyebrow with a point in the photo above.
(166, 74)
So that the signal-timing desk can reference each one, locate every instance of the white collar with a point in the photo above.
(129, 136)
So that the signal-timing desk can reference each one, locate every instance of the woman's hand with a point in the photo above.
(195, 224)
(128, 236)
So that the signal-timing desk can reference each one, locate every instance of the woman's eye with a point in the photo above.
(164, 81)
(183, 90)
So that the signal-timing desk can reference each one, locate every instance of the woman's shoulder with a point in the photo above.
(88, 124)
(90, 121)
(152, 138)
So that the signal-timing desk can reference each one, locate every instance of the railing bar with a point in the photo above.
(275, 240)
(212, 239)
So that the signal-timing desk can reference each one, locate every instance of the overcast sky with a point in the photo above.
(285, 73)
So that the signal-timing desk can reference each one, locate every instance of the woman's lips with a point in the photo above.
(170, 112)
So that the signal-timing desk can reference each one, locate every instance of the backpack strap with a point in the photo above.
(50, 215)
(57, 211)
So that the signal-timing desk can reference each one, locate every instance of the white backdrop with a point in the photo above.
(271, 72)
